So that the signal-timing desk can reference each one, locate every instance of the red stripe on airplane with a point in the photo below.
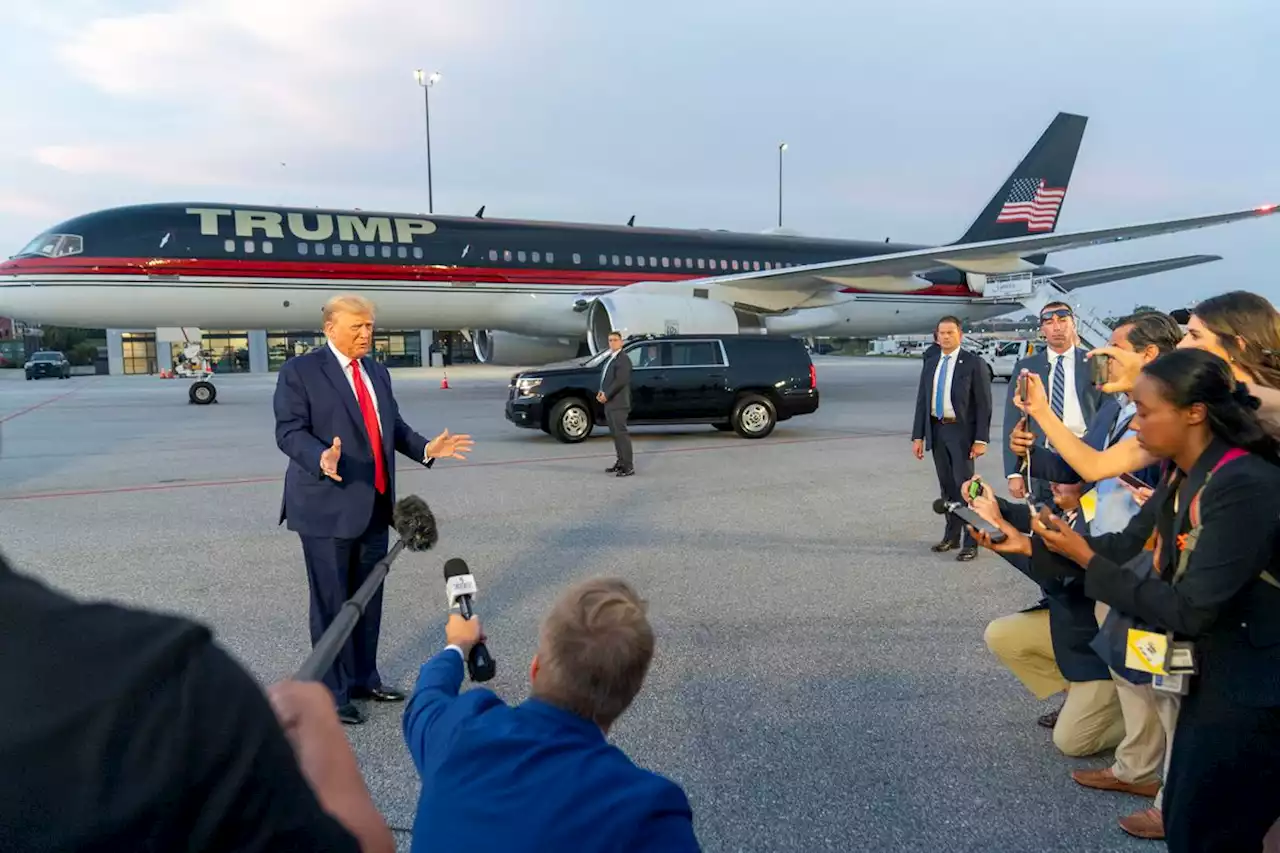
(570, 278)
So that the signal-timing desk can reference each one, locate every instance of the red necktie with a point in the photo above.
(371, 426)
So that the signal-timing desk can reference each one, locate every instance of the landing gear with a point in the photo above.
(202, 393)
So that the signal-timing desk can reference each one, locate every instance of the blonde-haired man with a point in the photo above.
(338, 422)
(542, 775)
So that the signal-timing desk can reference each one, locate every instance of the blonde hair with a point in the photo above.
(348, 302)
(594, 650)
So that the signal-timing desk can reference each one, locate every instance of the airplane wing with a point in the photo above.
(1102, 275)
(897, 272)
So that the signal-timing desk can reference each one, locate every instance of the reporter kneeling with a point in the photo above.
(1215, 516)
(542, 776)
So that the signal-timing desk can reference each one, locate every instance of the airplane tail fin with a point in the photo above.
(1030, 199)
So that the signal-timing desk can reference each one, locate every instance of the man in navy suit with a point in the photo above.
(953, 419)
(1064, 369)
(338, 422)
(542, 776)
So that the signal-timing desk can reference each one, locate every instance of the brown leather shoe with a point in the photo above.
(1105, 780)
(1148, 823)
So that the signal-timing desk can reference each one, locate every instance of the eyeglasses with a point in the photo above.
(1057, 313)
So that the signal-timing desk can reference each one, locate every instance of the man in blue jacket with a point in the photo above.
(541, 776)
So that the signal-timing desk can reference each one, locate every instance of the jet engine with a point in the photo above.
(644, 314)
(507, 348)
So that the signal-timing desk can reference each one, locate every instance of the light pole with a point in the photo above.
(426, 81)
(782, 147)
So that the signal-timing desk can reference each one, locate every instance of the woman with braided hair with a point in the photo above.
(1216, 521)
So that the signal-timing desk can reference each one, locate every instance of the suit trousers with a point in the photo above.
(1140, 757)
(1090, 720)
(953, 465)
(335, 570)
(1224, 772)
(617, 421)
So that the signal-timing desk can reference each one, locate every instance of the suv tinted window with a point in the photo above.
(691, 353)
(47, 356)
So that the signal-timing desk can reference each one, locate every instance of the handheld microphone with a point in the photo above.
(416, 527)
(966, 514)
(460, 587)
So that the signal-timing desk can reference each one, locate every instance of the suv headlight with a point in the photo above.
(527, 386)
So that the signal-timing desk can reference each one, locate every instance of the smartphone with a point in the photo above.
(1133, 481)
(1022, 387)
(1100, 369)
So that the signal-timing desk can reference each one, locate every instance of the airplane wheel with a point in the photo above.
(202, 393)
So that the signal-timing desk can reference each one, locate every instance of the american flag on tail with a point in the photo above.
(1031, 202)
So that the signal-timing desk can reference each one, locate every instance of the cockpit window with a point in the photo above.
(54, 246)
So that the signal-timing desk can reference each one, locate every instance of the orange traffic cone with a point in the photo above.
(444, 383)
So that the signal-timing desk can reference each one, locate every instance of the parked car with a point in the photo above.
(48, 363)
(747, 383)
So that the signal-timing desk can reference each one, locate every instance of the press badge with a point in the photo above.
(1145, 651)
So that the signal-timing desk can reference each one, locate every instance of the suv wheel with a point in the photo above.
(570, 421)
(754, 416)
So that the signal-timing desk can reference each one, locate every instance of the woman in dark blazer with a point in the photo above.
(1215, 519)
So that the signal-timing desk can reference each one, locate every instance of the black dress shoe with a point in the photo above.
(625, 472)
(350, 714)
(379, 694)
(613, 468)
(967, 553)
(944, 545)
(1050, 719)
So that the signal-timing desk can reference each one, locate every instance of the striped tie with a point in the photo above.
(1058, 401)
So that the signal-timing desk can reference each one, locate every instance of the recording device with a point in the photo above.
(1022, 387)
(966, 514)
(460, 586)
(1100, 370)
(1133, 481)
(416, 527)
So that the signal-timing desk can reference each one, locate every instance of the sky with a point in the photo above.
(901, 118)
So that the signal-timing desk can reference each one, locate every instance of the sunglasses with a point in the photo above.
(1059, 313)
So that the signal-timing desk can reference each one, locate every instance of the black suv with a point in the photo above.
(48, 364)
(742, 382)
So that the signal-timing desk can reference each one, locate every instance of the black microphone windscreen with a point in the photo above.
(455, 566)
(415, 524)
(940, 506)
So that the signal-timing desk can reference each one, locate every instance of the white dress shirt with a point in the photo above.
(948, 410)
(1072, 414)
(345, 363)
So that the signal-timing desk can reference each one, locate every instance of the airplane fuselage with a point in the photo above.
(222, 266)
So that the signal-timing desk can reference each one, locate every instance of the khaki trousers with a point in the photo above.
(1091, 720)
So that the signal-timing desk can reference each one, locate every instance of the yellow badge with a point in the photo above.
(1145, 651)
(1089, 504)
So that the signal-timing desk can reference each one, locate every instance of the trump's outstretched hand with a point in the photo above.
(329, 460)
(445, 446)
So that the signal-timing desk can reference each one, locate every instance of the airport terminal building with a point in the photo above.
(140, 351)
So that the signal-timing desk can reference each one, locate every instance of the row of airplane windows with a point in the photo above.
(404, 252)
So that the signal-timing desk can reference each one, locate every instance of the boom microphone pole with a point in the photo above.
(416, 527)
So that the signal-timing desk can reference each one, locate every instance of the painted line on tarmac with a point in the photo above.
(22, 412)
(460, 466)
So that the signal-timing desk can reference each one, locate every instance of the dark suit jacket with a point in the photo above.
(1072, 622)
(1048, 465)
(1221, 603)
(970, 396)
(534, 777)
(1090, 399)
(313, 403)
(617, 382)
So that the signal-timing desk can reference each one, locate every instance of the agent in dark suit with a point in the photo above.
(615, 395)
(1064, 369)
(1217, 524)
(542, 775)
(338, 422)
(953, 420)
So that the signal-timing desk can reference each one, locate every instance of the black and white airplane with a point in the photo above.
(534, 292)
